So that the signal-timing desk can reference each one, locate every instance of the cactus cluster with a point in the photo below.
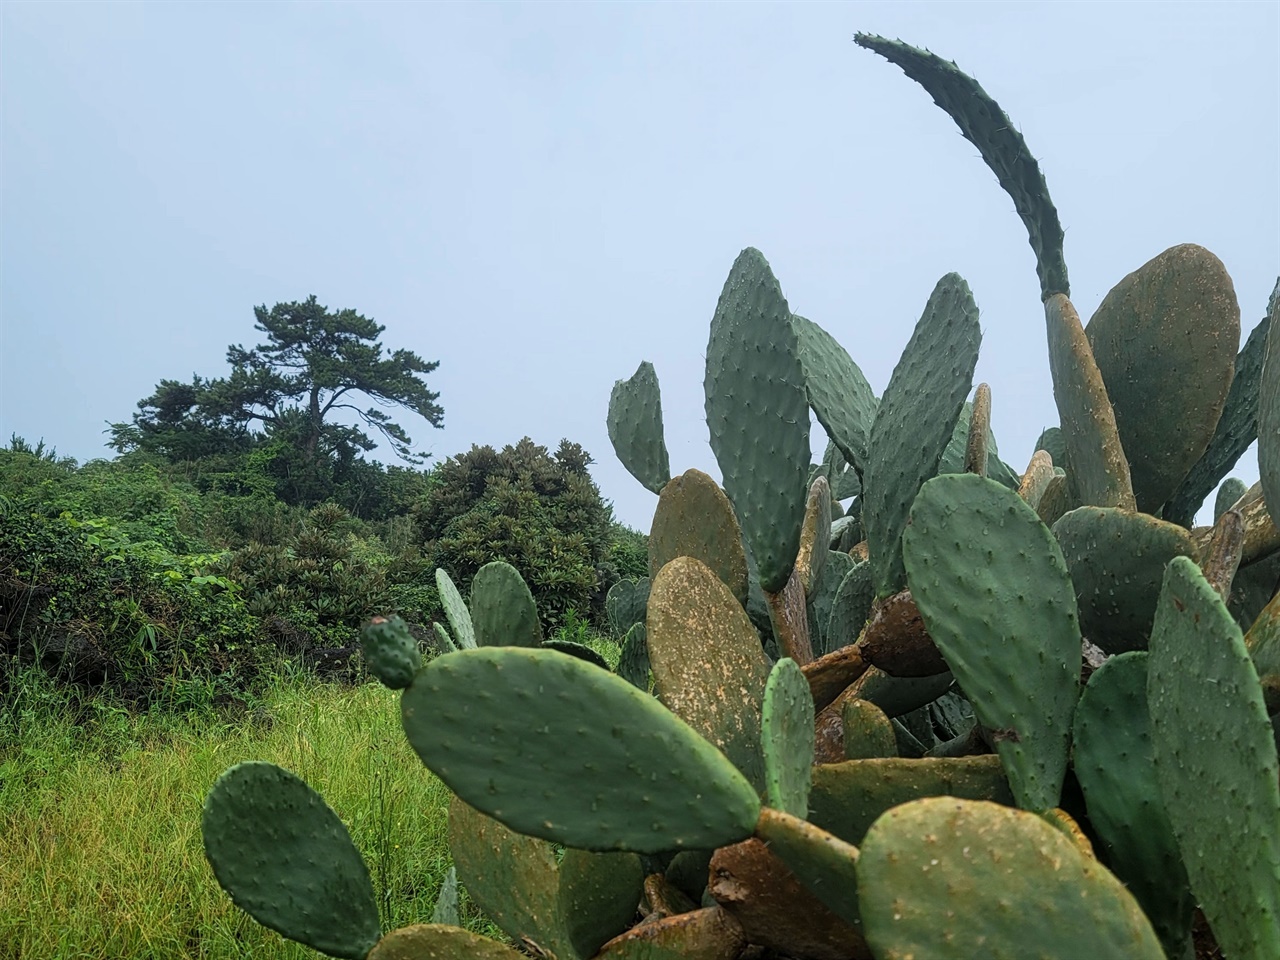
(906, 702)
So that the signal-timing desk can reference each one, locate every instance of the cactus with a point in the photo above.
(910, 792)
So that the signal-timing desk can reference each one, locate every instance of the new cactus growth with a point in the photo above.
(866, 717)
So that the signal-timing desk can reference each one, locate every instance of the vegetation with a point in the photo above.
(901, 779)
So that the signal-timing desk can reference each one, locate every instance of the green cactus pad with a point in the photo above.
(1263, 644)
(286, 859)
(579, 650)
(787, 738)
(1098, 472)
(708, 667)
(1232, 489)
(513, 878)
(1269, 409)
(435, 941)
(993, 589)
(953, 878)
(849, 608)
(824, 863)
(635, 428)
(823, 600)
(986, 126)
(1055, 502)
(625, 604)
(556, 748)
(758, 414)
(633, 663)
(390, 651)
(598, 896)
(848, 797)
(446, 908)
(899, 695)
(1165, 341)
(1236, 431)
(815, 534)
(838, 392)
(443, 640)
(917, 415)
(1052, 443)
(706, 934)
(503, 612)
(1116, 559)
(1215, 756)
(695, 519)
(1113, 760)
(868, 734)
(455, 608)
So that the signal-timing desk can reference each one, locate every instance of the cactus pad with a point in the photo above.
(625, 603)
(1215, 757)
(1165, 341)
(758, 414)
(455, 608)
(838, 392)
(993, 589)
(503, 611)
(635, 428)
(695, 519)
(436, 941)
(1236, 431)
(868, 734)
(633, 662)
(708, 667)
(285, 858)
(848, 797)
(953, 878)
(390, 651)
(1098, 472)
(556, 748)
(914, 423)
(1116, 559)
(824, 863)
(787, 738)
(707, 934)
(1269, 409)
(986, 126)
(1113, 760)
(815, 535)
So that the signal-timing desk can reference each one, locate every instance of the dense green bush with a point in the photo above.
(541, 513)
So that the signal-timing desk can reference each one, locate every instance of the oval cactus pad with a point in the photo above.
(942, 877)
(285, 858)
(758, 414)
(557, 748)
(992, 587)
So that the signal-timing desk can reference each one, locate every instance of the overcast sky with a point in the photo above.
(540, 196)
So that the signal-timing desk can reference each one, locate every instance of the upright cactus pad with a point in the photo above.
(1097, 470)
(1232, 489)
(455, 608)
(1116, 559)
(708, 667)
(625, 604)
(814, 535)
(556, 748)
(1237, 429)
(787, 739)
(954, 878)
(1215, 757)
(1165, 341)
(1269, 409)
(758, 414)
(635, 428)
(838, 392)
(695, 519)
(1115, 764)
(993, 589)
(868, 734)
(284, 856)
(915, 420)
(986, 126)
(503, 611)
(633, 661)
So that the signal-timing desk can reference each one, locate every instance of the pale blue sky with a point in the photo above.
(539, 196)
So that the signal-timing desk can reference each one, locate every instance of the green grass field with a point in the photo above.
(100, 850)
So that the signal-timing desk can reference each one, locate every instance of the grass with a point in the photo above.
(100, 849)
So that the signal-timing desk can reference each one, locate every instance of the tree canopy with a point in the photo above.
(314, 364)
